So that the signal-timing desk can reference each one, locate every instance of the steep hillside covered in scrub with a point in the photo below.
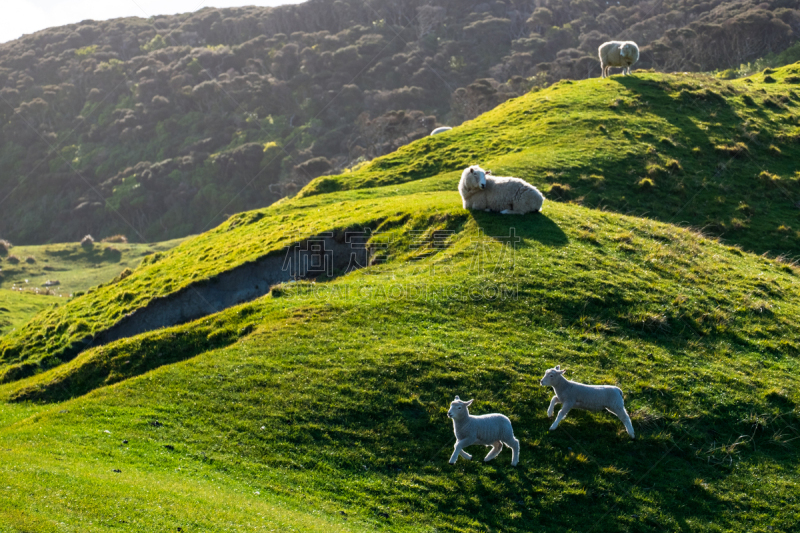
(160, 128)
(322, 404)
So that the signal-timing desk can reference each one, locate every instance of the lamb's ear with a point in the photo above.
(562, 371)
(558, 367)
(470, 402)
(457, 398)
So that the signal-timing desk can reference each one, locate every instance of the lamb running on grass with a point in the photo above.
(489, 430)
(618, 54)
(580, 396)
(510, 196)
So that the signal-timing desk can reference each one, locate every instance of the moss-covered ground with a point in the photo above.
(323, 405)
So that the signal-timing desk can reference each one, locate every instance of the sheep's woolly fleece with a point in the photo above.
(617, 54)
(480, 190)
(488, 430)
(579, 396)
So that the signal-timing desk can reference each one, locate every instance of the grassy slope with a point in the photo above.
(350, 381)
(22, 291)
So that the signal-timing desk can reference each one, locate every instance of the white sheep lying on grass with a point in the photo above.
(618, 54)
(509, 196)
(489, 430)
(589, 397)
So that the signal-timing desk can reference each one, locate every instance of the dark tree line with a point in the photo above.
(158, 128)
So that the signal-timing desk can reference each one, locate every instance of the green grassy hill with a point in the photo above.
(321, 405)
(685, 149)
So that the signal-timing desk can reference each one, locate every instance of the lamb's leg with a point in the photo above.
(510, 212)
(458, 449)
(622, 414)
(561, 415)
(602, 71)
(553, 403)
(497, 447)
(514, 445)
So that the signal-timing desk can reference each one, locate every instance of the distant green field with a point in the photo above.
(24, 287)
(322, 405)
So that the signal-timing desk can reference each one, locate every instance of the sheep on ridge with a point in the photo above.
(509, 196)
(441, 129)
(489, 430)
(589, 397)
(618, 54)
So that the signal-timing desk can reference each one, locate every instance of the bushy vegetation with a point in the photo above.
(160, 128)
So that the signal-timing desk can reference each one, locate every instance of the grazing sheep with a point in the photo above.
(618, 54)
(589, 397)
(441, 129)
(509, 196)
(489, 430)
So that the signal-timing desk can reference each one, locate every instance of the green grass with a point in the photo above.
(330, 398)
(22, 285)
(16, 308)
(350, 381)
(603, 137)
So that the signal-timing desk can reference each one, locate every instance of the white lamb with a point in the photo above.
(489, 430)
(588, 397)
(510, 196)
(618, 54)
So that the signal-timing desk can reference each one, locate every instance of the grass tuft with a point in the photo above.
(645, 184)
(738, 149)
(768, 178)
(559, 191)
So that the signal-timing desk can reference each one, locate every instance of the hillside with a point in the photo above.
(690, 150)
(321, 404)
(163, 127)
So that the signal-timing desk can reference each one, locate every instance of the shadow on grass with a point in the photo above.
(531, 227)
